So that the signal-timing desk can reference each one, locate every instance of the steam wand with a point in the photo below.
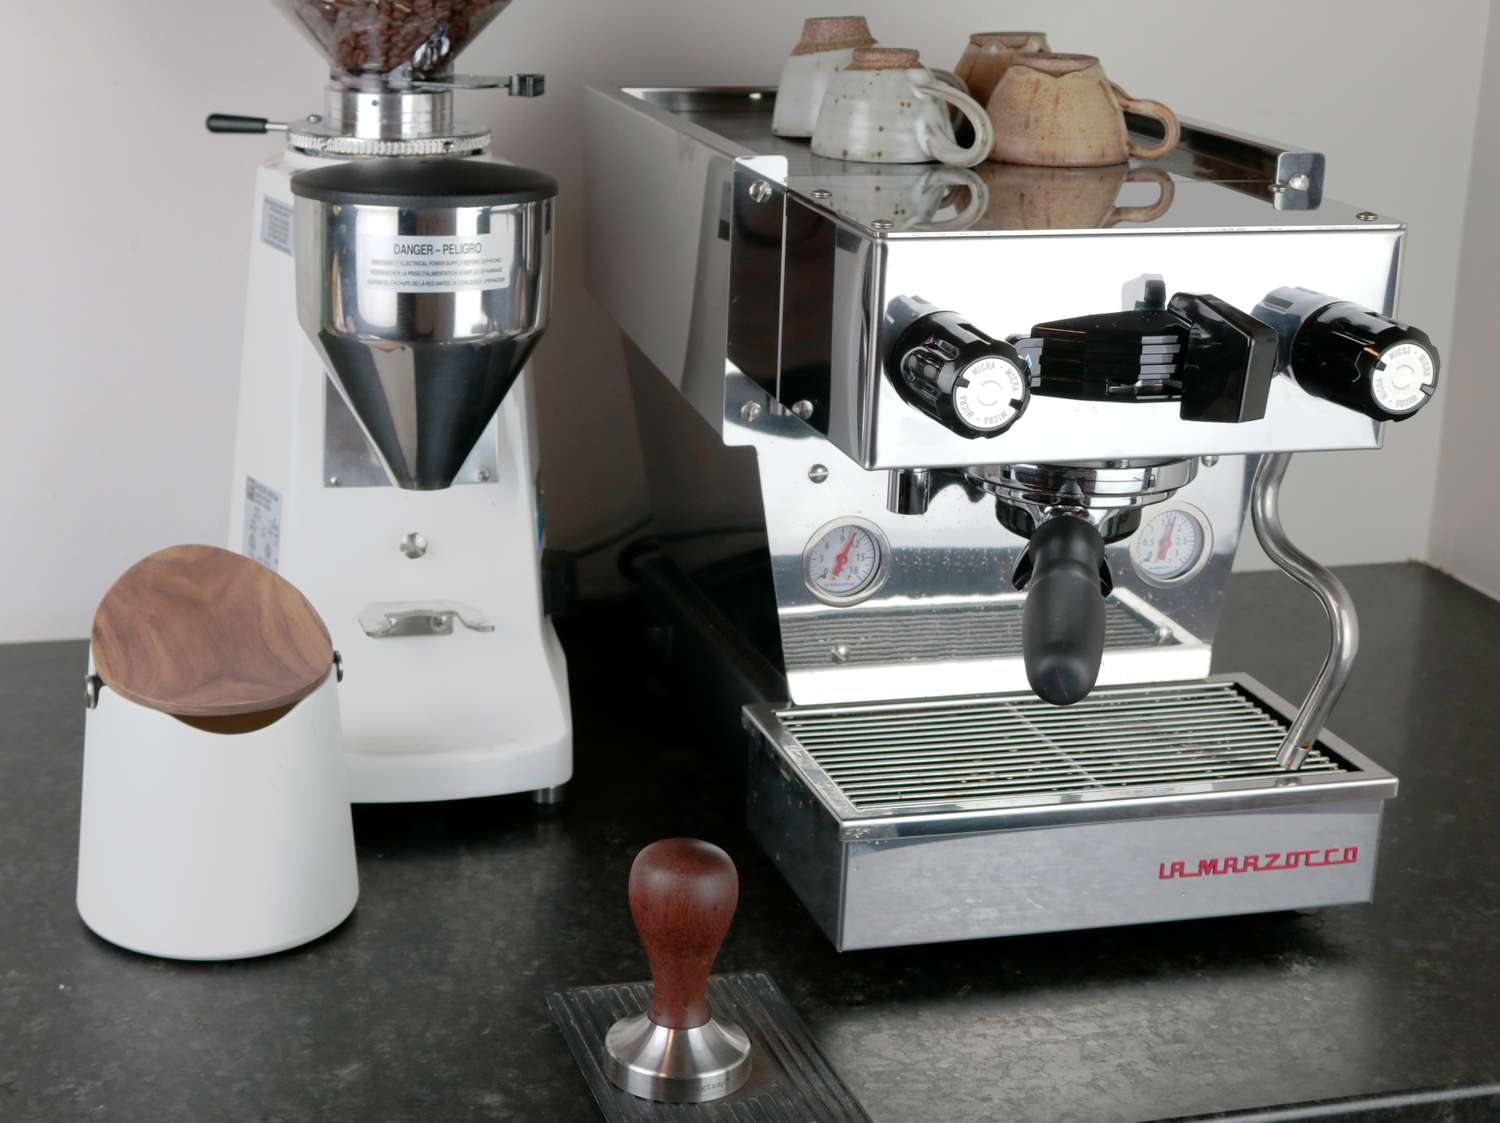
(1265, 514)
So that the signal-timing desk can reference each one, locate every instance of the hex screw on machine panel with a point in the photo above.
(760, 191)
(413, 545)
(750, 413)
(818, 473)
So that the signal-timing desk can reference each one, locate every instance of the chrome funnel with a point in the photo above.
(424, 285)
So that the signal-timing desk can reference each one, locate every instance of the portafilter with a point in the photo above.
(424, 285)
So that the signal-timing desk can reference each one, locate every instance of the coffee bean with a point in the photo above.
(376, 36)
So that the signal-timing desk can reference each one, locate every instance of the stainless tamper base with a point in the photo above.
(679, 1066)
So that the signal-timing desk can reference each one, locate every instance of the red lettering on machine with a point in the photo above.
(1268, 862)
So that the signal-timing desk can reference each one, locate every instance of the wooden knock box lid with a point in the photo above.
(196, 631)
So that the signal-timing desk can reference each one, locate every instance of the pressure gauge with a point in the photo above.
(845, 561)
(1173, 543)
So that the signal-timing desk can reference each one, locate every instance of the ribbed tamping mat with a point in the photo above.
(790, 1081)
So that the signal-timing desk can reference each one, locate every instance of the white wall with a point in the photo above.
(1466, 516)
(125, 232)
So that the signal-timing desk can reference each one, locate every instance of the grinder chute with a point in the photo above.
(424, 285)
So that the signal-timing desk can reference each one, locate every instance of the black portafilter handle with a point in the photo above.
(232, 123)
(1062, 626)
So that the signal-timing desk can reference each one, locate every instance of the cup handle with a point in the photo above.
(1156, 210)
(949, 77)
(948, 151)
(979, 197)
(1172, 131)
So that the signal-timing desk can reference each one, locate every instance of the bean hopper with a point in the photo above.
(386, 461)
(1002, 452)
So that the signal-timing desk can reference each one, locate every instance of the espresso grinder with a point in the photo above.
(386, 460)
(1002, 455)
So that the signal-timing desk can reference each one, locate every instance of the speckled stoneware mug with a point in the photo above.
(885, 107)
(1061, 111)
(989, 54)
(826, 47)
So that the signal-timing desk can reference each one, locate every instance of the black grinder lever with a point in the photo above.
(235, 123)
(1062, 626)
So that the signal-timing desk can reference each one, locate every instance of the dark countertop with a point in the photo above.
(429, 1001)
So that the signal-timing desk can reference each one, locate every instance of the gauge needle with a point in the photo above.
(843, 558)
(1166, 538)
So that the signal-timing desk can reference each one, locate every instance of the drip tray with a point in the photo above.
(915, 821)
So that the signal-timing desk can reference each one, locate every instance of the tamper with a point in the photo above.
(682, 896)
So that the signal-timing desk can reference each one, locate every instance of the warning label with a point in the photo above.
(276, 224)
(262, 540)
(449, 263)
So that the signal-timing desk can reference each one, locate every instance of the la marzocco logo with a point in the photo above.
(1260, 863)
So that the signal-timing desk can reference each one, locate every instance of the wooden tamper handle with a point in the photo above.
(682, 895)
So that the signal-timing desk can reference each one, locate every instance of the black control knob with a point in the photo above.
(1344, 353)
(974, 384)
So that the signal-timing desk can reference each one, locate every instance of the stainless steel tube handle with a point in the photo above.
(1265, 514)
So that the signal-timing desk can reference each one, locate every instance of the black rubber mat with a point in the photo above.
(790, 1081)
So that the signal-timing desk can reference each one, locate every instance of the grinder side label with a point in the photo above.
(445, 263)
(262, 531)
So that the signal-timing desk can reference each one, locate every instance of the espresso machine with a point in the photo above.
(1002, 450)
(386, 459)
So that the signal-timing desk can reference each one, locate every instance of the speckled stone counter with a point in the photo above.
(429, 1002)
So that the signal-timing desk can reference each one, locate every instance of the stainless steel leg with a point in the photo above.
(550, 797)
(1265, 515)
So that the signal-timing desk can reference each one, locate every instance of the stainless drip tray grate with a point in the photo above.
(908, 636)
(909, 756)
(911, 821)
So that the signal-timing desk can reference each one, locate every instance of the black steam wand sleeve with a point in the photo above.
(1062, 627)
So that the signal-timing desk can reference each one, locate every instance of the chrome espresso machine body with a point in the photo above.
(1005, 434)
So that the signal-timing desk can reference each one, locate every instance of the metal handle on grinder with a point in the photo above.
(1265, 515)
(232, 123)
(1062, 626)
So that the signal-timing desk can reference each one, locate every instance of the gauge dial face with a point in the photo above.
(1171, 544)
(844, 562)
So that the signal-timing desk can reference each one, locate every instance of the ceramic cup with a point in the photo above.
(910, 200)
(885, 107)
(1061, 111)
(826, 46)
(1032, 198)
(989, 54)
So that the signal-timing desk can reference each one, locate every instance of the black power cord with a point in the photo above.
(560, 566)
